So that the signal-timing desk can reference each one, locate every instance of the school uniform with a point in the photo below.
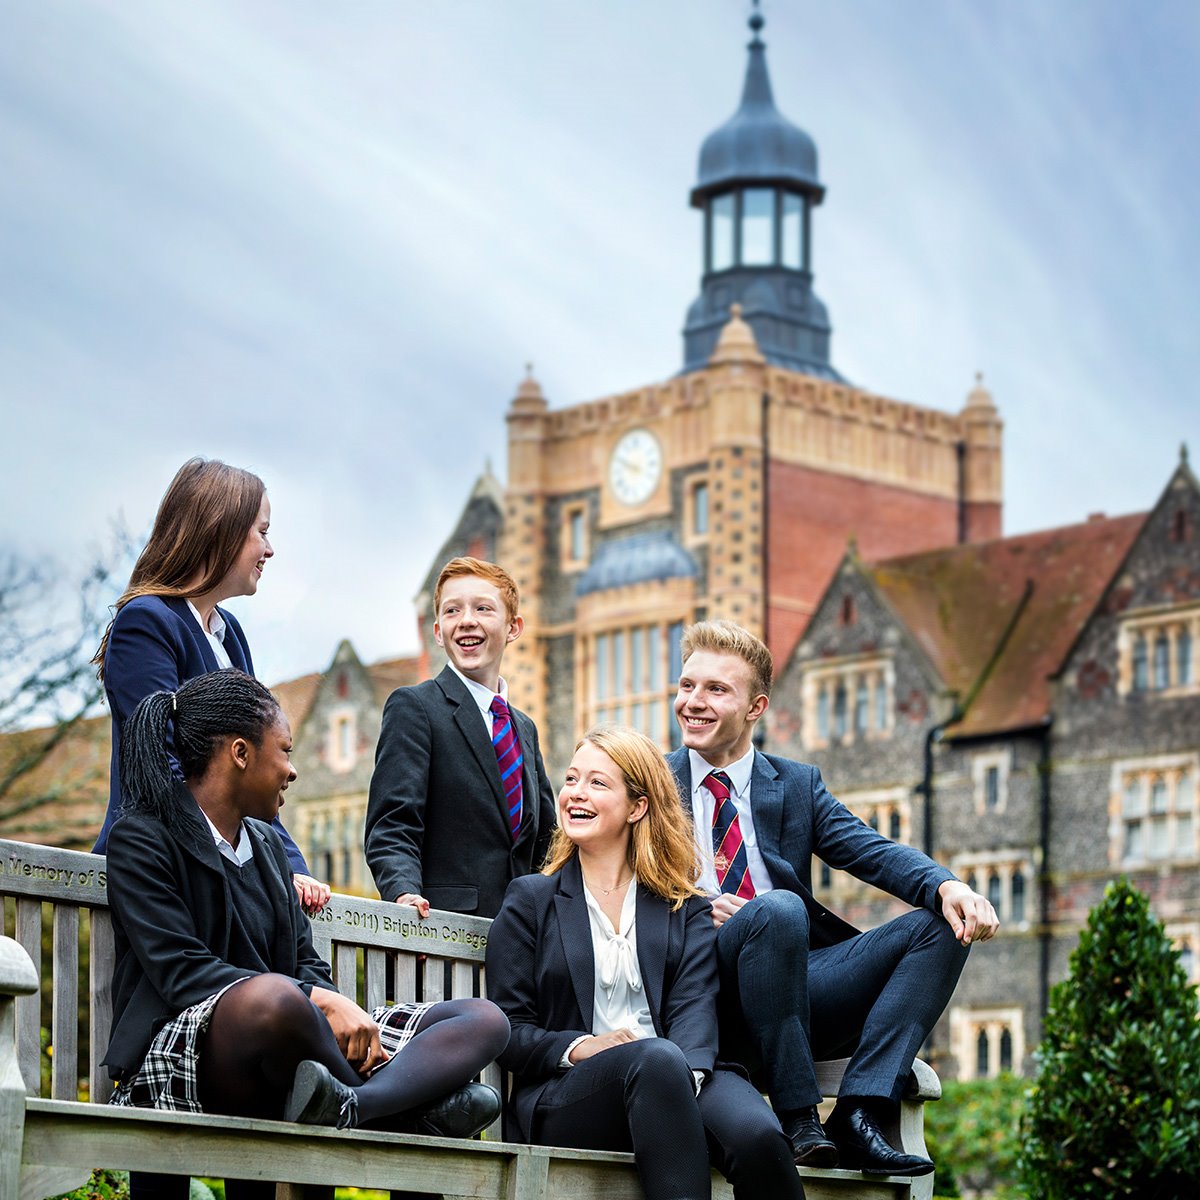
(157, 643)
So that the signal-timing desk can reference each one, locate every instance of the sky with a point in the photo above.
(322, 240)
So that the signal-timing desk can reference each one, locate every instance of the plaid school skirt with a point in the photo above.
(169, 1078)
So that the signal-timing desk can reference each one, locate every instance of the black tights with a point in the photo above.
(263, 1027)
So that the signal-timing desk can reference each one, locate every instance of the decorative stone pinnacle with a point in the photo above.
(737, 343)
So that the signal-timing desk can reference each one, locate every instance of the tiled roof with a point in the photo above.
(296, 696)
(996, 619)
(391, 673)
(61, 801)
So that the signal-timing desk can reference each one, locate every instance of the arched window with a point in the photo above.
(826, 876)
(1183, 657)
(981, 1055)
(1140, 664)
(894, 825)
(1162, 662)
(993, 892)
(1006, 1062)
(823, 713)
(972, 882)
(874, 821)
(849, 616)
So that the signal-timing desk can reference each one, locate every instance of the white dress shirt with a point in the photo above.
(703, 805)
(483, 696)
(215, 634)
(240, 854)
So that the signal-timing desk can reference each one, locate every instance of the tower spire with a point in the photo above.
(757, 185)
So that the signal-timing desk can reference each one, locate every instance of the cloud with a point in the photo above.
(322, 241)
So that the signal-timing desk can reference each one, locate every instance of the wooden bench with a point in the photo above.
(50, 1139)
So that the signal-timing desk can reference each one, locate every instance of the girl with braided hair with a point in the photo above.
(209, 543)
(220, 1002)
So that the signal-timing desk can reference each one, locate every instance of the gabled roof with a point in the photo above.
(997, 619)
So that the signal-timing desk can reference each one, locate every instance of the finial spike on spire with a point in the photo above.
(756, 22)
(1183, 453)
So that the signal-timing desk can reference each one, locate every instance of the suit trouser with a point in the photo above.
(875, 997)
(640, 1096)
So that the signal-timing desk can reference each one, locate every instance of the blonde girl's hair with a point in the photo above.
(662, 852)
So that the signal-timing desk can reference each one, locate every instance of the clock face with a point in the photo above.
(635, 467)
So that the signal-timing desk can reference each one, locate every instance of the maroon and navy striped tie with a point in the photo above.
(729, 851)
(509, 759)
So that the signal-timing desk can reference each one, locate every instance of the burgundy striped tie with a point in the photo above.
(509, 759)
(729, 851)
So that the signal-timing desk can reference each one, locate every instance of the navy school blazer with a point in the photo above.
(795, 817)
(172, 910)
(541, 971)
(155, 645)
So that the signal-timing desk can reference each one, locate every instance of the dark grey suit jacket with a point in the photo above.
(542, 972)
(437, 822)
(795, 817)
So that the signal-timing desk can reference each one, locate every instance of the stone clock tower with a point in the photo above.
(730, 489)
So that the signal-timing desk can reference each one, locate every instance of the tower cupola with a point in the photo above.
(757, 185)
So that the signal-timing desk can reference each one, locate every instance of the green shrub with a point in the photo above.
(973, 1136)
(1115, 1110)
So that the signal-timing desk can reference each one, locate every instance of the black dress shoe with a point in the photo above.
(462, 1114)
(316, 1098)
(862, 1147)
(810, 1146)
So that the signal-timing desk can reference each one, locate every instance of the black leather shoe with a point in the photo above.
(461, 1114)
(316, 1098)
(810, 1146)
(862, 1147)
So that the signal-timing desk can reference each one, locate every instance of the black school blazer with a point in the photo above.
(541, 972)
(171, 910)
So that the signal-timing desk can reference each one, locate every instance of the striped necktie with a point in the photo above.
(729, 851)
(509, 759)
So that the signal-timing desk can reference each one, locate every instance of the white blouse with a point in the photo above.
(619, 998)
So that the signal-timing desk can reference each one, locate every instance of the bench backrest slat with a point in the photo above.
(29, 1039)
(64, 1024)
(100, 959)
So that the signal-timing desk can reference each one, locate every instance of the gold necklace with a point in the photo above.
(609, 891)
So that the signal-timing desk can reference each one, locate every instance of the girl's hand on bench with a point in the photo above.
(314, 894)
(357, 1035)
